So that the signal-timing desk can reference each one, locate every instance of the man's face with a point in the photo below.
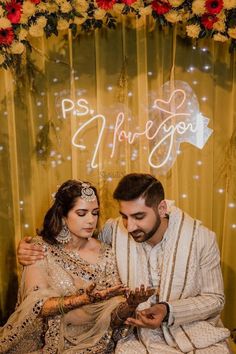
(141, 221)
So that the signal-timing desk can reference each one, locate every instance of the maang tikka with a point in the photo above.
(87, 193)
(64, 235)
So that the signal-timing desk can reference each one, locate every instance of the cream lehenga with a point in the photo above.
(83, 330)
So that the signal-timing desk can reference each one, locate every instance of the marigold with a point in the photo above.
(80, 5)
(65, 7)
(36, 31)
(99, 14)
(62, 24)
(22, 34)
(229, 4)
(2, 59)
(1, 11)
(176, 3)
(28, 8)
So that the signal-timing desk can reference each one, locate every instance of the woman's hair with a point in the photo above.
(64, 200)
(136, 185)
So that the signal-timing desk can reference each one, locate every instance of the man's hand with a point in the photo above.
(149, 318)
(28, 253)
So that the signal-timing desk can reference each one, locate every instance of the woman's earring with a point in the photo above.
(64, 235)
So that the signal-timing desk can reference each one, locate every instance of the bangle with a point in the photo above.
(166, 318)
(61, 305)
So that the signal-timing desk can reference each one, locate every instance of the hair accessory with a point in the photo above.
(64, 235)
(87, 193)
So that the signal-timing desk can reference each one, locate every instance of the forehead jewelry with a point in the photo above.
(87, 193)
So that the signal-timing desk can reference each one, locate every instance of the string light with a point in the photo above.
(221, 190)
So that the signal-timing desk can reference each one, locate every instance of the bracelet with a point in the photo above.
(166, 318)
(61, 305)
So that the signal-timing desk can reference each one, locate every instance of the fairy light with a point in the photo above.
(184, 196)
(220, 191)
(231, 205)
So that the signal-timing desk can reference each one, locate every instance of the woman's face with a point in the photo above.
(82, 218)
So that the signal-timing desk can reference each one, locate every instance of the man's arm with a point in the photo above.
(208, 303)
(28, 252)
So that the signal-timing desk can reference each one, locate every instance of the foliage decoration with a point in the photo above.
(22, 19)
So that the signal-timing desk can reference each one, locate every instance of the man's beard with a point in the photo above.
(140, 236)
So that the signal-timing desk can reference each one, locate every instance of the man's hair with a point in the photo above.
(136, 185)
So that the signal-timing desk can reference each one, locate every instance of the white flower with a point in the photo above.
(2, 59)
(99, 14)
(198, 7)
(229, 4)
(62, 24)
(22, 34)
(1, 11)
(80, 5)
(193, 30)
(28, 8)
(232, 32)
(17, 47)
(173, 16)
(4, 22)
(36, 31)
(220, 37)
(42, 21)
(65, 7)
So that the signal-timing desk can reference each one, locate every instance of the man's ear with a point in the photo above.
(162, 209)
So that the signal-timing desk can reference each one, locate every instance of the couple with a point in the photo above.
(165, 249)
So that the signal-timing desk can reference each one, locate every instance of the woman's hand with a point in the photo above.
(139, 295)
(100, 295)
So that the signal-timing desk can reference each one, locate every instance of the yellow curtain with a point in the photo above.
(113, 70)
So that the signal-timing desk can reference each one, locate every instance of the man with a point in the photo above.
(168, 250)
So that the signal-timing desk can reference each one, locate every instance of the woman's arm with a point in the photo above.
(61, 305)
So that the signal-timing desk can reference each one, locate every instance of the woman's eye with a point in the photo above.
(96, 213)
(81, 214)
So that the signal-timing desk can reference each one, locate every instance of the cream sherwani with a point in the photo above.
(185, 267)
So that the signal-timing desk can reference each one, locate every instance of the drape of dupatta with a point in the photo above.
(83, 330)
(191, 282)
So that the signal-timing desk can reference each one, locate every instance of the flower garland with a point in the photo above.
(20, 19)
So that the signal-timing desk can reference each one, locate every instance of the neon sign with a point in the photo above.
(174, 118)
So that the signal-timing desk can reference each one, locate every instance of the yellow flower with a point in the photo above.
(41, 21)
(52, 7)
(219, 26)
(36, 31)
(1, 11)
(137, 4)
(118, 8)
(2, 59)
(65, 7)
(80, 20)
(176, 3)
(193, 30)
(28, 8)
(232, 32)
(80, 5)
(173, 16)
(24, 19)
(99, 14)
(4, 22)
(145, 11)
(220, 37)
(229, 4)
(42, 7)
(22, 34)
(17, 47)
(62, 24)
(198, 7)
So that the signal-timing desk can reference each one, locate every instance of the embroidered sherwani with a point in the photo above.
(185, 269)
(83, 330)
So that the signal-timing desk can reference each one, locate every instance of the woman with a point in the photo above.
(70, 302)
